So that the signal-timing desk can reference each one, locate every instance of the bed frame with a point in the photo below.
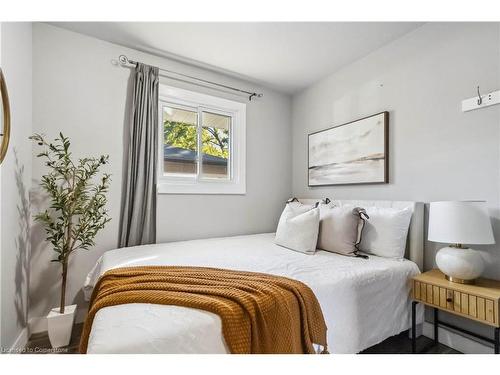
(415, 240)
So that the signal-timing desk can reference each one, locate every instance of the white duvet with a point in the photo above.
(364, 301)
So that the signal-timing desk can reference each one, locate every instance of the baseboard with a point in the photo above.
(458, 341)
(419, 330)
(20, 342)
(39, 324)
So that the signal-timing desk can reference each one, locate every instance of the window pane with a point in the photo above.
(179, 141)
(215, 145)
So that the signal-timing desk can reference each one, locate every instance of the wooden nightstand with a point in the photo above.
(479, 302)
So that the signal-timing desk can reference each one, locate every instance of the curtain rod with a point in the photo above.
(124, 61)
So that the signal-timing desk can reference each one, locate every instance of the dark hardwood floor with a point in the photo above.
(39, 343)
(400, 344)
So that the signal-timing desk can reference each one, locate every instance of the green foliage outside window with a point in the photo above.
(215, 141)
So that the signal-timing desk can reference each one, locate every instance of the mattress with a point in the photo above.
(364, 301)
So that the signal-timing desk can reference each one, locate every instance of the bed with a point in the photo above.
(364, 301)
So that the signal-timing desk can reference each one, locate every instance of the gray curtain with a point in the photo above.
(138, 212)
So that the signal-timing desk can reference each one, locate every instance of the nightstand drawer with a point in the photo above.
(476, 307)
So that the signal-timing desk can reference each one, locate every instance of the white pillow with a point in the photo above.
(385, 232)
(298, 228)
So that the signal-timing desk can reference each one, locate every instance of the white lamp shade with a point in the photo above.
(460, 222)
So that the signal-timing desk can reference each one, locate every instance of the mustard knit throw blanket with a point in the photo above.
(260, 313)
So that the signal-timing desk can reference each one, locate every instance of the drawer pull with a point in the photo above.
(449, 299)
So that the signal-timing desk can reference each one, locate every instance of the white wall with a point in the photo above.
(437, 152)
(16, 51)
(78, 91)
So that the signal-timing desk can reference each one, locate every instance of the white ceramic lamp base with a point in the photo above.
(460, 264)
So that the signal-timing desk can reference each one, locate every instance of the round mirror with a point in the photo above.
(4, 117)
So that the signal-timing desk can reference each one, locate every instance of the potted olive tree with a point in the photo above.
(76, 213)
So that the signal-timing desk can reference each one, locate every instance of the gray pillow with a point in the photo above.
(340, 228)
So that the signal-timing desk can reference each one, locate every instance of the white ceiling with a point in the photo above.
(287, 56)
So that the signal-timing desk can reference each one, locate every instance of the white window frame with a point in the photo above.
(185, 99)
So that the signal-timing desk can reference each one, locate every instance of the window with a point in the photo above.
(202, 143)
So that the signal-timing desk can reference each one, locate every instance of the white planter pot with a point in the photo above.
(459, 263)
(61, 325)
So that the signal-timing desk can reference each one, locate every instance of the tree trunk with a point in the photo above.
(63, 286)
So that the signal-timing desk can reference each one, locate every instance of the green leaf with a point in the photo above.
(76, 197)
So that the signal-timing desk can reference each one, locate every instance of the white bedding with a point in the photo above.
(363, 301)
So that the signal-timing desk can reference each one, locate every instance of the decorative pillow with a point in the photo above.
(386, 231)
(340, 228)
(298, 228)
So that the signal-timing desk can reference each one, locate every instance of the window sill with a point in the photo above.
(201, 188)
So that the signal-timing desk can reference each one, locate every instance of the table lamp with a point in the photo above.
(459, 223)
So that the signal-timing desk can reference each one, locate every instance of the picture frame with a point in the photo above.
(353, 153)
(4, 117)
